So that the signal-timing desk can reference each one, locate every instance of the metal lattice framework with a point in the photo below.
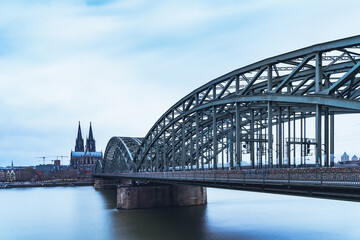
(119, 155)
(261, 110)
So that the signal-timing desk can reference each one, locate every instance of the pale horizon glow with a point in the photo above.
(122, 64)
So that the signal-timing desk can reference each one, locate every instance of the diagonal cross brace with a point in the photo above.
(355, 94)
(225, 88)
(205, 95)
(293, 73)
(253, 80)
(344, 79)
(301, 84)
(189, 103)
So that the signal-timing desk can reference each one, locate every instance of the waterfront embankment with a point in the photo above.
(45, 184)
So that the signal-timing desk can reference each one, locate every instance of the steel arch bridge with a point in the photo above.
(259, 112)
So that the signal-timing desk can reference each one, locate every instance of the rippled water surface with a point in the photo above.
(84, 213)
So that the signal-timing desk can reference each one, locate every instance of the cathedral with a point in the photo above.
(84, 159)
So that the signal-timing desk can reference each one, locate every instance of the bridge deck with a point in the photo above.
(313, 184)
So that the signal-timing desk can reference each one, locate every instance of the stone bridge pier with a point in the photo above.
(136, 194)
(156, 195)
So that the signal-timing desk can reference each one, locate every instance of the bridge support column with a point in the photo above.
(252, 139)
(332, 157)
(279, 138)
(305, 151)
(270, 137)
(294, 139)
(326, 138)
(260, 144)
(301, 139)
(173, 146)
(197, 138)
(288, 153)
(318, 88)
(152, 196)
(318, 135)
(238, 136)
(215, 143)
(270, 115)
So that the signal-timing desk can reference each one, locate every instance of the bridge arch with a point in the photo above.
(258, 106)
(119, 155)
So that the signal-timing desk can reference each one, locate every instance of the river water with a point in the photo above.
(84, 213)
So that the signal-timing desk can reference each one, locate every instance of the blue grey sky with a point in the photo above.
(121, 64)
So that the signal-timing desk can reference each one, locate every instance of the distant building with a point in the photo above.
(84, 159)
(2, 176)
(16, 173)
(344, 157)
(345, 161)
(46, 168)
(10, 176)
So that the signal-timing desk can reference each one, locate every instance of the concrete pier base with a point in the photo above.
(150, 196)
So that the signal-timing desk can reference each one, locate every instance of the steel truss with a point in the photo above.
(246, 112)
(119, 155)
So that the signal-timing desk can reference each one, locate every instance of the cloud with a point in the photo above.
(98, 2)
(121, 64)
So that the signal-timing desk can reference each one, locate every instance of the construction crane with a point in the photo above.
(61, 157)
(57, 158)
(44, 157)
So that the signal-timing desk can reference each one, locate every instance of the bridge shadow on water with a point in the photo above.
(162, 223)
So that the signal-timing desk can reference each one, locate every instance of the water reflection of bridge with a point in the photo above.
(258, 113)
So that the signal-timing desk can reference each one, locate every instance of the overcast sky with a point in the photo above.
(121, 64)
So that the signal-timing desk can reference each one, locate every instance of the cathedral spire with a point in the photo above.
(90, 142)
(79, 145)
(79, 132)
(91, 137)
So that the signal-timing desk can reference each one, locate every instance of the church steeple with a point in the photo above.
(91, 133)
(79, 145)
(90, 142)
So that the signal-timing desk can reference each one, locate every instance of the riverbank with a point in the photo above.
(45, 184)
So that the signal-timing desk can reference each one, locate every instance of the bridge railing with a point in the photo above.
(286, 176)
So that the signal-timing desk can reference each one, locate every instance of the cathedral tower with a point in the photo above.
(79, 144)
(90, 142)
